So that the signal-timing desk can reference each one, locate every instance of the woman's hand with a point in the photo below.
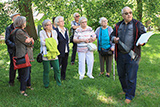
(28, 39)
(32, 40)
(112, 49)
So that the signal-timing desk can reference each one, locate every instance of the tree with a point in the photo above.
(25, 7)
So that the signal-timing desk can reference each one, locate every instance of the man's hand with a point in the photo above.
(116, 39)
(141, 44)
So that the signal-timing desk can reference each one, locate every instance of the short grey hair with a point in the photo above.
(82, 18)
(57, 19)
(74, 15)
(125, 8)
(19, 21)
(45, 22)
(102, 18)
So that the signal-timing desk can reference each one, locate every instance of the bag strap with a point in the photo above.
(47, 33)
(133, 55)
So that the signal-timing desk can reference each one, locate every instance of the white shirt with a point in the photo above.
(43, 36)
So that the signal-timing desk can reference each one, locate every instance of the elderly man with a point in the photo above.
(125, 35)
(74, 25)
(11, 48)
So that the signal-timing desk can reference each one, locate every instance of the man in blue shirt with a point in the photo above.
(74, 25)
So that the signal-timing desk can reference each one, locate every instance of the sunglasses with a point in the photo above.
(77, 16)
(127, 13)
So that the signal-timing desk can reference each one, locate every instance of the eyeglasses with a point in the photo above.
(104, 20)
(48, 24)
(77, 16)
(127, 13)
(84, 22)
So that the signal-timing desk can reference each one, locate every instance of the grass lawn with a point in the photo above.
(98, 92)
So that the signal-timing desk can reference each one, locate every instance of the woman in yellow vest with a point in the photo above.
(48, 39)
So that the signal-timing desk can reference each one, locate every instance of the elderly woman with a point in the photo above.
(83, 35)
(103, 35)
(23, 44)
(48, 32)
(63, 45)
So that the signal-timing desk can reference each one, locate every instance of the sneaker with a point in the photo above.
(81, 77)
(101, 73)
(90, 76)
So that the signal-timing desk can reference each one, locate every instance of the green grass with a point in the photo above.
(100, 92)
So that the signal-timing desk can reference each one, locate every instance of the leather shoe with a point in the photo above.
(127, 101)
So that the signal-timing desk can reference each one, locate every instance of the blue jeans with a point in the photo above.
(127, 72)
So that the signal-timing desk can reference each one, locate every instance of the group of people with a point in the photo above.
(54, 40)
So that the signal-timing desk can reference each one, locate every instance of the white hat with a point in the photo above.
(14, 15)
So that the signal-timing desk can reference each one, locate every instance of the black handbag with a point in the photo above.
(39, 57)
(106, 52)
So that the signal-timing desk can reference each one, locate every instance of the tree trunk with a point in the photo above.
(139, 9)
(25, 7)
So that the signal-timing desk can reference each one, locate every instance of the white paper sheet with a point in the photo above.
(144, 38)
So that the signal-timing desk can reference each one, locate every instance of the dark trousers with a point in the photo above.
(24, 76)
(127, 72)
(29, 79)
(12, 72)
(74, 50)
(63, 62)
(108, 60)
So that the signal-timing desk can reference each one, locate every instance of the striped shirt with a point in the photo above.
(83, 34)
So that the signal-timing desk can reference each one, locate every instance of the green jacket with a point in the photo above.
(52, 51)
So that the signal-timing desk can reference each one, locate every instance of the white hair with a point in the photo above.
(45, 22)
(19, 21)
(57, 19)
(82, 18)
(102, 18)
(74, 15)
(125, 8)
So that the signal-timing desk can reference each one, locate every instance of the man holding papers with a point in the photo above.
(127, 54)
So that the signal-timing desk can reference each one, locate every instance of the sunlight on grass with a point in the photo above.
(101, 95)
(104, 99)
(76, 76)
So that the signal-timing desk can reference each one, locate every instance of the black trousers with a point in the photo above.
(12, 72)
(63, 62)
(24, 76)
(74, 50)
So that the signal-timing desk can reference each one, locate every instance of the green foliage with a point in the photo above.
(4, 19)
(156, 22)
(99, 92)
(37, 44)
